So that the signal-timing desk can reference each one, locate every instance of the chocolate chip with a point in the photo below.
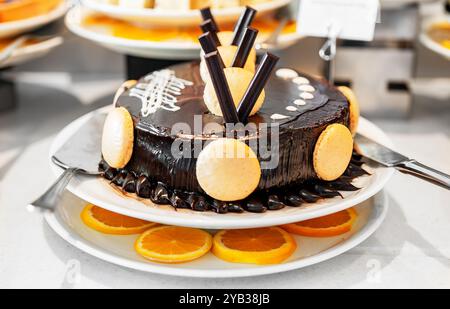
(199, 203)
(235, 207)
(308, 196)
(219, 206)
(177, 200)
(110, 173)
(293, 200)
(129, 184)
(326, 192)
(341, 185)
(143, 187)
(255, 205)
(274, 203)
(103, 166)
(355, 171)
(160, 195)
(120, 178)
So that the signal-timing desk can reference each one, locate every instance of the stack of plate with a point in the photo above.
(161, 34)
(370, 205)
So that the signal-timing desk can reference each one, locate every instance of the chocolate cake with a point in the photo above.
(298, 131)
(166, 135)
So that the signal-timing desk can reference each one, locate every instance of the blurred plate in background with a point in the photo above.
(163, 43)
(173, 17)
(30, 51)
(435, 41)
(9, 29)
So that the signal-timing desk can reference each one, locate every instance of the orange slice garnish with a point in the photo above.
(109, 222)
(331, 225)
(173, 244)
(269, 245)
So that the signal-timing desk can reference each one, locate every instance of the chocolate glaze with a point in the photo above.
(298, 133)
(261, 201)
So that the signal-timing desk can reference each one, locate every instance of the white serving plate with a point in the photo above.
(429, 42)
(98, 191)
(176, 18)
(66, 222)
(13, 28)
(31, 52)
(146, 49)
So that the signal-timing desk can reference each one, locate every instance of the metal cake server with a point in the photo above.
(389, 158)
(79, 155)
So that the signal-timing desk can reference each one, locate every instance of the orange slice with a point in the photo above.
(109, 222)
(173, 244)
(269, 245)
(327, 226)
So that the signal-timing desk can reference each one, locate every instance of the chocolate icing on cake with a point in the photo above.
(298, 132)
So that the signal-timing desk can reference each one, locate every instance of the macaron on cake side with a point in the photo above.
(228, 135)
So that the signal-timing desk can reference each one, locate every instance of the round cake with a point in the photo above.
(228, 135)
(299, 129)
(299, 118)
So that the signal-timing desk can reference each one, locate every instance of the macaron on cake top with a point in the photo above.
(230, 135)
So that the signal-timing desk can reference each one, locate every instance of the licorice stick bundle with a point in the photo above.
(256, 86)
(221, 87)
(244, 48)
(245, 20)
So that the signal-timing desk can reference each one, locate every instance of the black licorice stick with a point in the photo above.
(244, 48)
(209, 46)
(207, 43)
(256, 86)
(221, 87)
(206, 14)
(245, 20)
(208, 26)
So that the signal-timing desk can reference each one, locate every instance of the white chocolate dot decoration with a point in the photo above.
(300, 80)
(278, 117)
(291, 108)
(306, 88)
(300, 102)
(286, 73)
(306, 96)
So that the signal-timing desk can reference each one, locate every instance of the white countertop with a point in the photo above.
(411, 249)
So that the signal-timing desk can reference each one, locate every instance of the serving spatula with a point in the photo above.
(389, 158)
(79, 155)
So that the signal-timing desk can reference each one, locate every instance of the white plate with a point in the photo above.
(98, 191)
(146, 49)
(429, 42)
(31, 52)
(13, 28)
(176, 18)
(119, 249)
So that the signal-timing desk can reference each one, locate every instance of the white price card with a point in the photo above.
(346, 19)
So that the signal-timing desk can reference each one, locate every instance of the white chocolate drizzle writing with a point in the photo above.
(159, 90)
